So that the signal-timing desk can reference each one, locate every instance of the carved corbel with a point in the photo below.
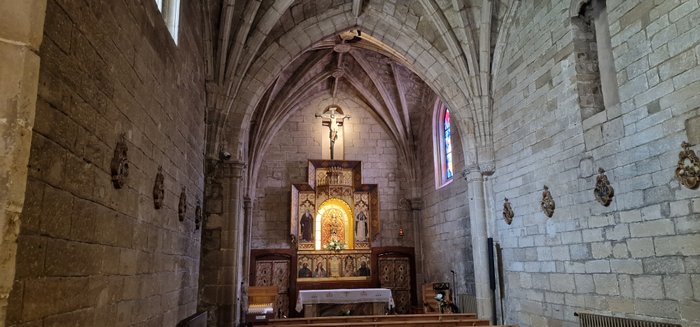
(547, 203)
(508, 213)
(688, 169)
(120, 163)
(158, 189)
(603, 191)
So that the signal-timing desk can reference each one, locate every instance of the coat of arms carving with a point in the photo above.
(547, 202)
(688, 169)
(603, 191)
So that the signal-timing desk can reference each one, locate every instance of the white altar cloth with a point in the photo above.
(344, 296)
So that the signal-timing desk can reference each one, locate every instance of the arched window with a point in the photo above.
(442, 136)
(170, 9)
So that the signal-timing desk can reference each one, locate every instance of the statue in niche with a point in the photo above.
(306, 226)
(361, 227)
(334, 225)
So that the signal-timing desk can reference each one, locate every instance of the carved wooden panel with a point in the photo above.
(395, 274)
(275, 273)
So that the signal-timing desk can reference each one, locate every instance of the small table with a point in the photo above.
(308, 299)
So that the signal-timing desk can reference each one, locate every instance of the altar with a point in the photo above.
(380, 299)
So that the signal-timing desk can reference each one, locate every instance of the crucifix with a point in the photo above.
(335, 119)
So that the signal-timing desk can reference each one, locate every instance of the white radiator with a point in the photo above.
(593, 320)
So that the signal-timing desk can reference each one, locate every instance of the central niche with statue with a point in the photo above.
(334, 218)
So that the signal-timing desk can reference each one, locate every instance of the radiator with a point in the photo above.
(593, 320)
(466, 303)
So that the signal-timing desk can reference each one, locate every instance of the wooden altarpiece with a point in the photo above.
(334, 218)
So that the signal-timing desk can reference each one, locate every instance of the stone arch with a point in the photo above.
(426, 61)
(575, 7)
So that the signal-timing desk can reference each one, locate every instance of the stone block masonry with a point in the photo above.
(638, 256)
(89, 254)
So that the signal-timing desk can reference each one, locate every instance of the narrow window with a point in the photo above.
(170, 9)
(595, 68)
(442, 138)
(448, 144)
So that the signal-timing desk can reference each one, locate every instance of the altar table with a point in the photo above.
(308, 298)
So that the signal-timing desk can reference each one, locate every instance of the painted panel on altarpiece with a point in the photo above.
(307, 210)
(362, 220)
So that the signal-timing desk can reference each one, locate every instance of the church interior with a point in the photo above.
(234, 162)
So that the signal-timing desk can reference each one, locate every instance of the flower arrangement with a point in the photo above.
(335, 245)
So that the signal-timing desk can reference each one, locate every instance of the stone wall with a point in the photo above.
(286, 161)
(445, 233)
(89, 254)
(639, 257)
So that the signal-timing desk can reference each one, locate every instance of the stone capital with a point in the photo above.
(231, 169)
(472, 173)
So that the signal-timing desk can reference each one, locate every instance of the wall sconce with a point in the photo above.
(401, 233)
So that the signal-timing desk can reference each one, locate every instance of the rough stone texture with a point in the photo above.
(635, 249)
(89, 254)
(300, 139)
(21, 25)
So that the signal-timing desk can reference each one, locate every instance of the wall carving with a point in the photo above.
(508, 213)
(547, 203)
(158, 189)
(120, 163)
(182, 205)
(603, 191)
(688, 169)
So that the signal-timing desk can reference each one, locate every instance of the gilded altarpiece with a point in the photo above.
(334, 218)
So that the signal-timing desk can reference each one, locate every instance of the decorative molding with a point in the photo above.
(120, 163)
(603, 191)
(158, 189)
(472, 174)
(547, 203)
(182, 205)
(198, 215)
(508, 213)
(688, 169)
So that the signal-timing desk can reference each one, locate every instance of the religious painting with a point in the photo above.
(306, 217)
(362, 220)
(332, 226)
(321, 268)
(305, 264)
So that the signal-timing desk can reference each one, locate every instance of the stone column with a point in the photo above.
(221, 244)
(245, 266)
(416, 207)
(21, 30)
(477, 218)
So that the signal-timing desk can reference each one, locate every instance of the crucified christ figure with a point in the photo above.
(335, 120)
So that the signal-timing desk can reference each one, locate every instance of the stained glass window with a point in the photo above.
(447, 139)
